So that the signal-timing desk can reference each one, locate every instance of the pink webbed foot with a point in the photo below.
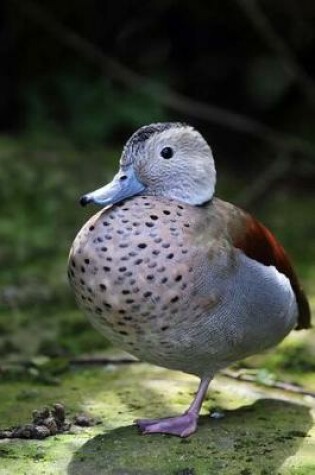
(181, 426)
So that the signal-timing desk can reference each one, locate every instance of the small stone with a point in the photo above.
(59, 412)
(66, 426)
(5, 434)
(51, 424)
(23, 432)
(44, 413)
(41, 432)
(84, 420)
(36, 416)
(217, 415)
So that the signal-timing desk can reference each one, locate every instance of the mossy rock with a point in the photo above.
(263, 431)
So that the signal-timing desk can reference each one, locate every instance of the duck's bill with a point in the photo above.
(124, 185)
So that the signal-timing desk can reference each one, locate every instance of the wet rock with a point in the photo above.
(85, 420)
(45, 422)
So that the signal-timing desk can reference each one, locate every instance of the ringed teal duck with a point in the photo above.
(175, 276)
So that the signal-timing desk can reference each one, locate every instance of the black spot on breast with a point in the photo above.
(161, 269)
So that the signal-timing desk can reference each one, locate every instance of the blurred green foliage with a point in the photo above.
(53, 77)
(86, 111)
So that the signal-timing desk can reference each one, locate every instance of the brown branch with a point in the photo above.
(263, 26)
(91, 361)
(170, 98)
(288, 387)
(239, 375)
(103, 361)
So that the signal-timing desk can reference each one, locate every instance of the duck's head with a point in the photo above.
(168, 159)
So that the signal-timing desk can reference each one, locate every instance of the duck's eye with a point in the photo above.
(167, 152)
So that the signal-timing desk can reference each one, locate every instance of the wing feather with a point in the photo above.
(258, 243)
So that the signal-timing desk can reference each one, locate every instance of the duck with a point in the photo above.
(176, 276)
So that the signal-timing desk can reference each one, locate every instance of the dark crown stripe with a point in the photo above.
(143, 134)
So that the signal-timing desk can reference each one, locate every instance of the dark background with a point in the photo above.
(253, 58)
(77, 78)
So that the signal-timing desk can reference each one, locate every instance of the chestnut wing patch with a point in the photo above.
(258, 243)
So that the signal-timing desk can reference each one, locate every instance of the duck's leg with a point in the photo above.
(183, 425)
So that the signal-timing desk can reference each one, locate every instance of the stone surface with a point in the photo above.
(264, 431)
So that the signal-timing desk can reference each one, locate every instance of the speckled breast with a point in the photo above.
(133, 269)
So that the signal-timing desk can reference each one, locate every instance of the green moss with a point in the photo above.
(259, 433)
(295, 359)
